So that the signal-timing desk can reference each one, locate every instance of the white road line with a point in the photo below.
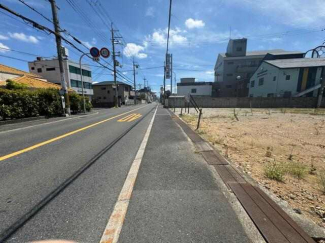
(114, 226)
(64, 119)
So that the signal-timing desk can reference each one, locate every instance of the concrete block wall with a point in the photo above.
(246, 102)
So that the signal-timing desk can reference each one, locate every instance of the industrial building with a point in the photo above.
(49, 69)
(234, 68)
(287, 78)
(189, 86)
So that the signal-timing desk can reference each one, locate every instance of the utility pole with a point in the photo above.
(171, 74)
(114, 65)
(59, 51)
(144, 82)
(164, 82)
(134, 83)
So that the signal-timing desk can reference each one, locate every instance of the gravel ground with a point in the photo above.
(256, 139)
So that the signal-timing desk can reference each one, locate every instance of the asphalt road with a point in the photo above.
(29, 177)
(175, 198)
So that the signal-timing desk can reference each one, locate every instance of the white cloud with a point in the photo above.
(3, 37)
(159, 37)
(94, 41)
(125, 73)
(134, 50)
(142, 55)
(4, 48)
(210, 72)
(213, 37)
(297, 13)
(194, 23)
(23, 37)
(150, 12)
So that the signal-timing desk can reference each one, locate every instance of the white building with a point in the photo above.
(189, 86)
(287, 78)
(49, 69)
(234, 68)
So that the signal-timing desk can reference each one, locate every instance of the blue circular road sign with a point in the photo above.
(94, 52)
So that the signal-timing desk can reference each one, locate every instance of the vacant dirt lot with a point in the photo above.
(282, 149)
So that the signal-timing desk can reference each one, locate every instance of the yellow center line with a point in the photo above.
(62, 136)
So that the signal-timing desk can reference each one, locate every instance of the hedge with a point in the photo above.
(21, 103)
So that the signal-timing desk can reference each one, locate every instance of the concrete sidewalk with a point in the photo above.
(176, 198)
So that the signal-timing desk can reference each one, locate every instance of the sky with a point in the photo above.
(200, 30)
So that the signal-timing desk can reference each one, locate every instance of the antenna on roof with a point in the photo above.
(230, 33)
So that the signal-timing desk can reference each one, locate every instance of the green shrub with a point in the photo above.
(49, 102)
(12, 85)
(296, 169)
(274, 171)
(75, 102)
(89, 106)
(20, 103)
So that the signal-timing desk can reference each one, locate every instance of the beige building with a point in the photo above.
(104, 93)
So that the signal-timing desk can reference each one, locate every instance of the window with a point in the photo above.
(270, 95)
(228, 86)
(87, 85)
(99, 98)
(193, 91)
(104, 97)
(288, 77)
(274, 78)
(74, 83)
(107, 91)
(103, 88)
(239, 48)
(50, 69)
(253, 83)
(73, 69)
(229, 74)
(39, 70)
(230, 63)
(261, 81)
(32, 68)
(86, 73)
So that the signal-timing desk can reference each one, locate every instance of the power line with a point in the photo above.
(77, 8)
(23, 2)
